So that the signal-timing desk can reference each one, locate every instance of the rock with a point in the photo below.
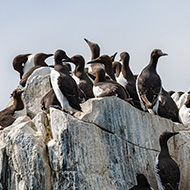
(35, 90)
(101, 148)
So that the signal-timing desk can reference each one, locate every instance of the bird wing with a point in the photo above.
(69, 89)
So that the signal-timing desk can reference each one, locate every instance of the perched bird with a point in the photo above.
(184, 113)
(40, 68)
(7, 115)
(127, 79)
(64, 85)
(104, 87)
(167, 170)
(95, 51)
(182, 99)
(20, 62)
(107, 62)
(49, 100)
(149, 84)
(83, 81)
(167, 107)
(142, 183)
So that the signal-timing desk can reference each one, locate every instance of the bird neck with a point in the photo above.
(164, 149)
(126, 71)
(153, 63)
(18, 104)
(109, 70)
(95, 54)
(79, 70)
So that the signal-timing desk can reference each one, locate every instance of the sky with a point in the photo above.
(134, 26)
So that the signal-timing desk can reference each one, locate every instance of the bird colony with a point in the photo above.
(102, 76)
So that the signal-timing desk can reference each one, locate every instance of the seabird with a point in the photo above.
(95, 51)
(167, 107)
(19, 63)
(40, 68)
(127, 79)
(49, 100)
(184, 113)
(176, 95)
(116, 66)
(104, 87)
(83, 81)
(142, 183)
(7, 115)
(106, 61)
(64, 85)
(167, 170)
(182, 99)
(149, 84)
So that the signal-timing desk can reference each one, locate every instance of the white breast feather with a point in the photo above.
(29, 64)
(97, 91)
(121, 79)
(182, 100)
(61, 98)
(77, 80)
(175, 97)
(184, 116)
(159, 183)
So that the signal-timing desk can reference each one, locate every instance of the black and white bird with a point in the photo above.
(167, 170)
(64, 85)
(142, 183)
(149, 84)
(104, 87)
(81, 77)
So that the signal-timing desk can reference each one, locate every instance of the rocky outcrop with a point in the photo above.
(101, 148)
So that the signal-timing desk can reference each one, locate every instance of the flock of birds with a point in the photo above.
(105, 77)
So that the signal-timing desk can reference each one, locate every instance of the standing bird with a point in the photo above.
(20, 62)
(40, 67)
(167, 107)
(64, 85)
(95, 51)
(7, 115)
(184, 113)
(149, 84)
(142, 183)
(83, 81)
(167, 170)
(104, 87)
(107, 62)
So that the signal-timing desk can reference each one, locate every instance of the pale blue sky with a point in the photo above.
(121, 25)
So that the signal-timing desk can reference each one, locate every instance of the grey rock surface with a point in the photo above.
(101, 148)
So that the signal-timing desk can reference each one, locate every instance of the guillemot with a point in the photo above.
(167, 170)
(64, 85)
(167, 107)
(148, 84)
(7, 115)
(19, 63)
(142, 183)
(83, 81)
(105, 87)
(40, 68)
(107, 62)
(95, 51)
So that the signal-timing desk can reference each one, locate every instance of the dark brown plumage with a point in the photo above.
(167, 107)
(149, 84)
(106, 61)
(116, 66)
(39, 61)
(6, 115)
(108, 87)
(83, 81)
(19, 61)
(64, 84)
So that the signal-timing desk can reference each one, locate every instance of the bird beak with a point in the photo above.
(175, 133)
(49, 55)
(164, 54)
(67, 60)
(97, 60)
(21, 91)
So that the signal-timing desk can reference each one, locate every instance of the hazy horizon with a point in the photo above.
(117, 26)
